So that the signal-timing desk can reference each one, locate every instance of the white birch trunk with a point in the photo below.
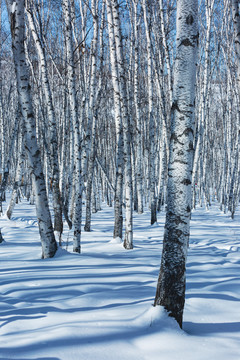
(128, 237)
(52, 126)
(171, 283)
(152, 180)
(118, 198)
(16, 18)
(92, 116)
(17, 182)
(233, 197)
(77, 217)
(203, 101)
(139, 160)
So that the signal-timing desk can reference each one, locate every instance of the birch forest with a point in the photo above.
(88, 91)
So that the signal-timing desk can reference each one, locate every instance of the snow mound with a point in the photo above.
(116, 240)
(156, 316)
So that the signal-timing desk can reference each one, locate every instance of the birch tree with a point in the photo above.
(139, 160)
(18, 177)
(171, 283)
(152, 143)
(118, 200)
(17, 22)
(92, 115)
(113, 6)
(78, 187)
(52, 127)
(234, 193)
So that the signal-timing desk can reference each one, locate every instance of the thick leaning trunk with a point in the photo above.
(16, 18)
(171, 283)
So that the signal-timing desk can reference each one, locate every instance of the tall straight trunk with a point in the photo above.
(17, 182)
(236, 25)
(92, 116)
(6, 164)
(118, 198)
(52, 126)
(204, 94)
(128, 236)
(87, 226)
(16, 18)
(171, 283)
(77, 217)
(166, 51)
(2, 135)
(139, 160)
(153, 200)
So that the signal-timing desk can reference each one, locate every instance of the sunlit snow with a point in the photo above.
(98, 305)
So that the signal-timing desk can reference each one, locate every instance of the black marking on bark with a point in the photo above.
(178, 232)
(186, 42)
(188, 131)
(196, 37)
(189, 19)
(174, 137)
(190, 146)
(175, 106)
(37, 154)
(178, 220)
(13, 23)
(188, 209)
(180, 161)
(186, 182)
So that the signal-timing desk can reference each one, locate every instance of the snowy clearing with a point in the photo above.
(98, 305)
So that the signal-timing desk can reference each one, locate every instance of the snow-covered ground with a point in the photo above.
(98, 305)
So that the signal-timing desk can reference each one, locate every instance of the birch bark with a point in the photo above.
(17, 22)
(92, 115)
(52, 126)
(17, 182)
(118, 199)
(233, 199)
(139, 160)
(128, 236)
(152, 181)
(77, 217)
(204, 95)
(171, 283)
